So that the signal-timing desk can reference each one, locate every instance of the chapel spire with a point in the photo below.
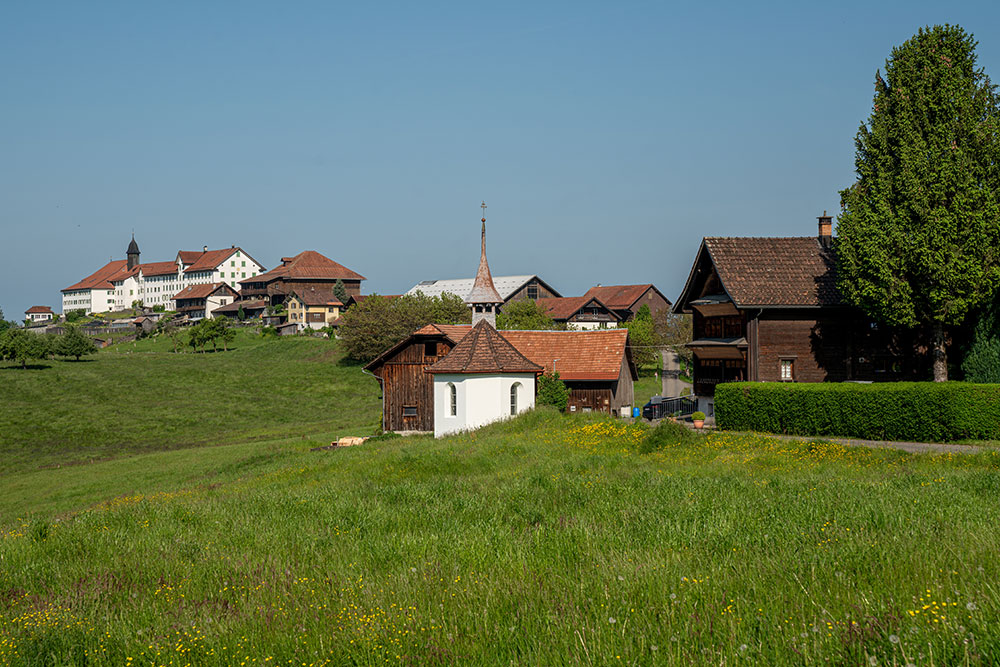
(484, 298)
(132, 253)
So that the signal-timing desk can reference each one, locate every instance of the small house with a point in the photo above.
(580, 312)
(38, 315)
(626, 300)
(200, 301)
(312, 309)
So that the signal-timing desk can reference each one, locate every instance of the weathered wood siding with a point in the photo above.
(531, 286)
(589, 396)
(406, 385)
(623, 391)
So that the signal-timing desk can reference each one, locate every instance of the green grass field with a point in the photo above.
(551, 539)
(142, 397)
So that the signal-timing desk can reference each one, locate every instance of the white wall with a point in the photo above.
(482, 399)
(91, 300)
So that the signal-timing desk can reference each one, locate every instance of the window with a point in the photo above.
(243, 263)
(233, 263)
(409, 411)
(787, 370)
(533, 291)
(513, 397)
(243, 275)
(453, 400)
(430, 349)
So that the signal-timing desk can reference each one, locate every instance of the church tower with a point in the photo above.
(484, 299)
(132, 254)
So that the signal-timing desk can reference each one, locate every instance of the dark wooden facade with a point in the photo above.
(277, 291)
(533, 289)
(610, 397)
(407, 391)
(768, 327)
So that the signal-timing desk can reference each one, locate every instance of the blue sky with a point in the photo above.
(606, 138)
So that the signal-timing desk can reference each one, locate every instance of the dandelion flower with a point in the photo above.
(612, 620)
(894, 639)
(971, 606)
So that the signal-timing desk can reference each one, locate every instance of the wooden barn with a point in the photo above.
(596, 366)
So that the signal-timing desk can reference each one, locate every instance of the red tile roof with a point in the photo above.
(563, 308)
(307, 265)
(210, 260)
(484, 350)
(790, 271)
(202, 291)
(311, 297)
(620, 296)
(39, 309)
(101, 279)
(576, 355)
(158, 268)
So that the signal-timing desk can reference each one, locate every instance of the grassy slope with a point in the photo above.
(548, 540)
(142, 397)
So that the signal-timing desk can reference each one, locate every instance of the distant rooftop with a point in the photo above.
(460, 287)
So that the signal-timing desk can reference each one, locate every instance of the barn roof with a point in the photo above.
(39, 309)
(622, 297)
(506, 286)
(484, 350)
(767, 272)
(594, 355)
(563, 308)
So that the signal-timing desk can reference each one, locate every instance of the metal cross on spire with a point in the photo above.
(484, 211)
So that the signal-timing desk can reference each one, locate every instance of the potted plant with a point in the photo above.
(699, 419)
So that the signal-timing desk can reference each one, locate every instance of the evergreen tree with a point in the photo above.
(340, 291)
(982, 360)
(919, 231)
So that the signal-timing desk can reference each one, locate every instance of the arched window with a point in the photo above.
(452, 400)
(513, 397)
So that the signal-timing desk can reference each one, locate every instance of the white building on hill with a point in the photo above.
(119, 283)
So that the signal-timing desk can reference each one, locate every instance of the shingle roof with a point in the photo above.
(210, 260)
(101, 279)
(133, 247)
(39, 309)
(620, 296)
(563, 308)
(201, 291)
(789, 271)
(483, 290)
(484, 350)
(158, 268)
(311, 297)
(307, 265)
(577, 355)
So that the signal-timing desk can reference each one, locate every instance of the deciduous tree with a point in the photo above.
(372, 326)
(919, 232)
(73, 343)
(642, 337)
(524, 314)
(23, 346)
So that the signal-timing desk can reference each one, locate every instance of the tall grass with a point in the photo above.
(546, 540)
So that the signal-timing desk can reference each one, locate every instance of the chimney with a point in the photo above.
(825, 230)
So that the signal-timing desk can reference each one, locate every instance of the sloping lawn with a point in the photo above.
(143, 397)
(547, 540)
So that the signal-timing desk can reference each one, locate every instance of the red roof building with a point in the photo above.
(626, 300)
(307, 270)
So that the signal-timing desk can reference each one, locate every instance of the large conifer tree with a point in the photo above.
(919, 232)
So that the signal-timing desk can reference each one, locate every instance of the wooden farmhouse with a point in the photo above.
(580, 312)
(626, 300)
(309, 270)
(768, 310)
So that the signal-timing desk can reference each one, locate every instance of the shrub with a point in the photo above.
(666, 434)
(552, 391)
(698, 416)
(914, 411)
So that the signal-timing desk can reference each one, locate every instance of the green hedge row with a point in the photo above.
(910, 411)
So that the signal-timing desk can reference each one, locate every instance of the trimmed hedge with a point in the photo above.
(909, 411)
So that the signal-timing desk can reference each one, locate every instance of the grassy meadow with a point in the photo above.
(142, 397)
(551, 539)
